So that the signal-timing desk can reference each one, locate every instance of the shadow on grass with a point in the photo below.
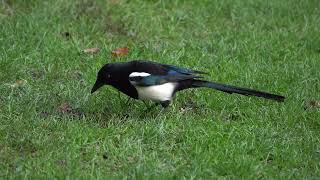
(120, 112)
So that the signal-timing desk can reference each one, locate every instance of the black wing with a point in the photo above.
(155, 68)
(152, 80)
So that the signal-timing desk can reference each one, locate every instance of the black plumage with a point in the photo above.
(150, 80)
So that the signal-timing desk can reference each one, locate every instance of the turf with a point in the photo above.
(52, 127)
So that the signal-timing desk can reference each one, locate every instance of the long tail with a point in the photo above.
(238, 90)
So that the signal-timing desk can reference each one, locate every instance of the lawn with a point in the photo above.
(52, 127)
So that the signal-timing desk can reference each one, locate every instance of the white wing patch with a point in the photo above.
(141, 74)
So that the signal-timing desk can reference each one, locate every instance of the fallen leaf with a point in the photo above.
(312, 104)
(120, 51)
(91, 50)
(18, 83)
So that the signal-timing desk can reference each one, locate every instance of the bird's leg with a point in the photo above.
(165, 104)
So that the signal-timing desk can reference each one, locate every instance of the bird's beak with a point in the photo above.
(96, 86)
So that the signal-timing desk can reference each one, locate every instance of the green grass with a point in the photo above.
(268, 45)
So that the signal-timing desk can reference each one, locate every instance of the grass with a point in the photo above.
(52, 127)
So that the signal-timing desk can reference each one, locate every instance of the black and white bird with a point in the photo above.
(147, 80)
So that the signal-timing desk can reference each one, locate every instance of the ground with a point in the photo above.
(52, 127)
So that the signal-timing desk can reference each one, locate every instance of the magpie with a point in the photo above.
(148, 80)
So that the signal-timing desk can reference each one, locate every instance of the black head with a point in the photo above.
(104, 77)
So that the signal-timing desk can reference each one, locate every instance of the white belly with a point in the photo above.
(161, 92)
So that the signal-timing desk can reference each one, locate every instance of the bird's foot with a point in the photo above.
(165, 104)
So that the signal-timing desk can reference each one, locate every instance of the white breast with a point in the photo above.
(161, 92)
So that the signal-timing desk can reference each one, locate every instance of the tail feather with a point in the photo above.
(238, 90)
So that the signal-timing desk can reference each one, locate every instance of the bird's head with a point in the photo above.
(104, 77)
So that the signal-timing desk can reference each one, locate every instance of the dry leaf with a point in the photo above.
(18, 83)
(91, 50)
(120, 51)
(312, 104)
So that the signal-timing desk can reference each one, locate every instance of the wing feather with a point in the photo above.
(152, 80)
